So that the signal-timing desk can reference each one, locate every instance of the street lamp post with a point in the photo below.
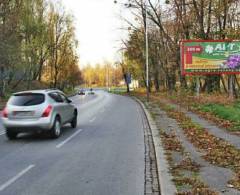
(146, 45)
(146, 41)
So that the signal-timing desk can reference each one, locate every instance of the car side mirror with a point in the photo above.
(69, 101)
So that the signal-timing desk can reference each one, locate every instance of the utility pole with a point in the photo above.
(146, 41)
(129, 5)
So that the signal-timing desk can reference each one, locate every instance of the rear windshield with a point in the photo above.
(27, 99)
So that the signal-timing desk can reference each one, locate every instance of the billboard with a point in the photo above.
(202, 57)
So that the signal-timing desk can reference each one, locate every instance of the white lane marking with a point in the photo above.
(93, 119)
(12, 180)
(68, 139)
(2, 133)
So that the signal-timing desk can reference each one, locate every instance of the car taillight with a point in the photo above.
(47, 111)
(5, 113)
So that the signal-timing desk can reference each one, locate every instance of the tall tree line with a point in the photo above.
(170, 22)
(102, 75)
(37, 43)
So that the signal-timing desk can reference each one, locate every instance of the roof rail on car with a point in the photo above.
(50, 89)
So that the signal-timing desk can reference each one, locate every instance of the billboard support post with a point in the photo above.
(231, 87)
(197, 86)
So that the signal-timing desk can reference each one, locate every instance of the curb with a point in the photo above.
(167, 186)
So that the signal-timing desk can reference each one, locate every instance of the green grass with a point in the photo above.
(229, 112)
(69, 91)
(118, 90)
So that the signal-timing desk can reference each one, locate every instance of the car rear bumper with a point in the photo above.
(24, 125)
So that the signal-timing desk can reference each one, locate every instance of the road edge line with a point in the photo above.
(2, 133)
(167, 186)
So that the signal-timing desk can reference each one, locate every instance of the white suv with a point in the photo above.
(44, 110)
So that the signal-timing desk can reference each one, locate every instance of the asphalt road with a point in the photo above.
(104, 155)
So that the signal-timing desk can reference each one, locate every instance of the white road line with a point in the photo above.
(2, 133)
(68, 139)
(12, 180)
(93, 119)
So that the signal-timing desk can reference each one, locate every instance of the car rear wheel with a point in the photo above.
(56, 129)
(74, 121)
(11, 134)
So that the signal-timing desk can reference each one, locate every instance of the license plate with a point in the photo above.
(23, 113)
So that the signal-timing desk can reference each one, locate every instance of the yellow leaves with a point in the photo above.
(101, 75)
(171, 142)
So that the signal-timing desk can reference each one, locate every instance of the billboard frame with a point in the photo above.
(184, 73)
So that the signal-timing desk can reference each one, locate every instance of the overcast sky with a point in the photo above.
(97, 28)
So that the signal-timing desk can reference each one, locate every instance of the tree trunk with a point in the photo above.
(236, 81)
(231, 86)
(2, 87)
(171, 81)
(183, 81)
(156, 81)
(126, 81)
(224, 84)
(212, 83)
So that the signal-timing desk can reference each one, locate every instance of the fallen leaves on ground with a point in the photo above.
(216, 150)
(198, 188)
(172, 144)
(187, 164)
(193, 104)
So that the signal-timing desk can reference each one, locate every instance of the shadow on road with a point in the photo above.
(43, 136)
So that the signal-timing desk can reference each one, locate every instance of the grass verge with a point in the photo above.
(230, 113)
